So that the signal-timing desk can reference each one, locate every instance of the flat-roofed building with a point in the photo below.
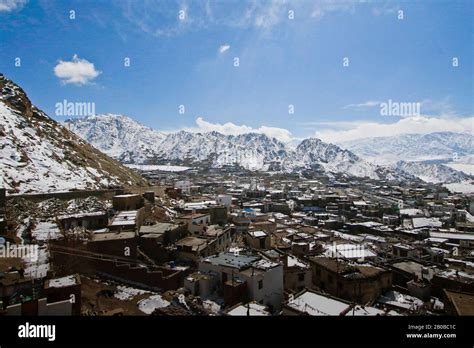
(65, 288)
(127, 221)
(89, 221)
(129, 201)
(263, 279)
(350, 281)
(258, 239)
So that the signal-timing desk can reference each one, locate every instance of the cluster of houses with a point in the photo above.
(255, 246)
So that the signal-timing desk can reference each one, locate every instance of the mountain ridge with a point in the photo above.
(38, 154)
(253, 150)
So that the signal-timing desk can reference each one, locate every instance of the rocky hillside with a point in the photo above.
(38, 154)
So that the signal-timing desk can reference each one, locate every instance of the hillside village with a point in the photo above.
(231, 242)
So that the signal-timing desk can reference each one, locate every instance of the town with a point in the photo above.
(233, 242)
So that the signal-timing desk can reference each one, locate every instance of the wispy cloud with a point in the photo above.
(77, 71)
(366, 104)
(153, 18)
(224, 48)
(230, 128)
(11, 5)
(323, 7)
(417, 124)
(270, 14)
(384, 9)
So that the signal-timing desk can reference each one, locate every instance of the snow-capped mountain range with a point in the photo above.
(446, 146)
(133, 143)
(38, 154)
(432, 172)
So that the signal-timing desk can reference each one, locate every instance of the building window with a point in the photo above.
(318, 272)
(260, 284)
(301, 277)
(330, 279)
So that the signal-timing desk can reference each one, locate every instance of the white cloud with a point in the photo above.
(230, 128)
(367, 104)
(224, 48)
(270, 14)
(78, 71)
(384, 9)
(417, 124)
(322, 7)
(11, 5)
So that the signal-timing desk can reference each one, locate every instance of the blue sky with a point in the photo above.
(283, 61)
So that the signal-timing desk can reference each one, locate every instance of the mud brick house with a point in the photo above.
(404, 270)
(454, 280)
(122, 244)
(218, 215)
(297, 274)
(89, 221)
(127, 220)
(108, 261)
(127, 202)
(353, 282)
(258, 239)
(194, 248)
(168, 232)
(65, 288)
(194, 220)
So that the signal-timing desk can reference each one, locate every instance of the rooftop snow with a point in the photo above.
(253, 309)
(232, 260)
(317, 304)
(257, 234)
(62, 282)
(148, 305)
(46, 230)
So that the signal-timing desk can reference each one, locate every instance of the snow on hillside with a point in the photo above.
(251, 150)
(332, 158)
(463, 187)
(37, 154)
(432, 172)
(118, 136)
(414, 147)
(135, 144)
